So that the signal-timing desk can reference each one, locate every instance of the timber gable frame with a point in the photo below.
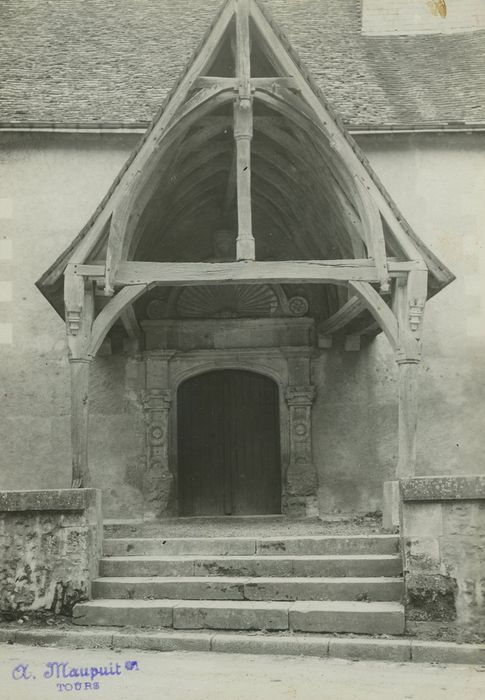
(391, 274)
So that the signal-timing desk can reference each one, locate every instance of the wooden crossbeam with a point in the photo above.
(302, 271)
(270, 83)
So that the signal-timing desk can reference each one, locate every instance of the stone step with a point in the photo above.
(257, 588)
(304, 616)
(314, 565)
(240, 546)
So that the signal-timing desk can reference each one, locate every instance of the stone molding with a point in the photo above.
(49, 499)
(156, 399)
(300, 395)
(443, 488)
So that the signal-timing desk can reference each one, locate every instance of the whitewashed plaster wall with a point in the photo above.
(438, 182)
(50, 185)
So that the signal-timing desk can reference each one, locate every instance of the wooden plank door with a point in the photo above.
(228, 444)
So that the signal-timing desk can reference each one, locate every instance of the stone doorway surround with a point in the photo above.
(278, 348)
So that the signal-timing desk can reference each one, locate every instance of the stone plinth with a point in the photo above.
(443, 530)
(50, 546)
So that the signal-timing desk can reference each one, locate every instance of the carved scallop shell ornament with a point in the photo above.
(230, 301)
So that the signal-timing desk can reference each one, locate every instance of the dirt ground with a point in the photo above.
(25, 674)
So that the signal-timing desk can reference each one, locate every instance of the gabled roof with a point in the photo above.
(314, 107)
(89, 61)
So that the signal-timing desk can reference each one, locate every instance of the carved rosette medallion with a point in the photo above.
(298, 306)
(158, 481)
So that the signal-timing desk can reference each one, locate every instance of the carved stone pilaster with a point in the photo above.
(301, 479)
(158, 479)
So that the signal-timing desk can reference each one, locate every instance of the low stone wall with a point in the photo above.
(443, 533)
(50, 545)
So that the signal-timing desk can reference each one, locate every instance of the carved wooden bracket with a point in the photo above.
(416, 311)
(73, 320)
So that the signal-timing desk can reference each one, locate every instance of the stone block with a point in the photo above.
(79, 638)
(347, 616)
(443, 488)
(294, 645)
(391, 506)
(51, 543)
(366, 649)
(359, 565)
(182, 546)
(430, 597)
(163, 641)
(328, 545)
(422, 520)
(122, 613)
(190, 588)
(447, 653)
(244, 566)
(146, 566)
(464, 518)
(343, 588)
(48, 499)
(422, 554)
(222, 615)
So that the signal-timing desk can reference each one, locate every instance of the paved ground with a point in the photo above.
(197, 676)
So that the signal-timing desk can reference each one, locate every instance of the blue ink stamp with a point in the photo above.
(74, 677)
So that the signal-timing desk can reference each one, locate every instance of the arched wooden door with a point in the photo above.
(229, 444)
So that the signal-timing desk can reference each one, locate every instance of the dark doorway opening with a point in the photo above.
(229, 444)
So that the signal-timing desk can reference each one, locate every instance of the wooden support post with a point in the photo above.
(408, 417)
(79, 303)
(409, 302)
(79, 367)
(243, 134)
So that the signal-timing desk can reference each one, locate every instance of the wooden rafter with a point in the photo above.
(341, 318)
(111, 313)
(317, 179)
(340, 142)
(368, 210)
(231, 186)
(379, 310)
(131, 326)
(126, 216)
(154, 136)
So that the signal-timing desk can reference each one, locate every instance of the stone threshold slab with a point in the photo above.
(355, 648)
(301, 545)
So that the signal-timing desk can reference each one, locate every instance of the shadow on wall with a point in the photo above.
(355, 426)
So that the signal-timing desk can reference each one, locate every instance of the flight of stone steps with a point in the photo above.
(292, 583)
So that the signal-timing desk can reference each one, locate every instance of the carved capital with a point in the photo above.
(157, 399)
(300, 395)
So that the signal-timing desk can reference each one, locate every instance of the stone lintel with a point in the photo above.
(443, 488)
(49, 499)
